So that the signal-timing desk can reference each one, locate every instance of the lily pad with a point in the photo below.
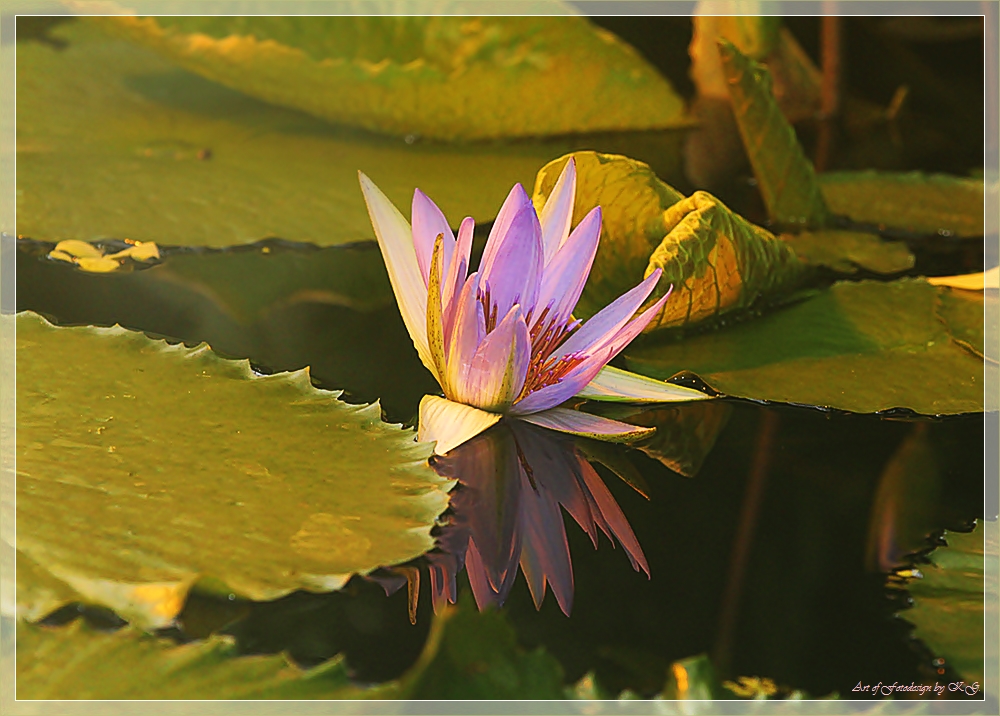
(174, 465)
(439, 77)
(848, 251)
(38, 592)
(78, 662)
(115, 141)
(786, 179)
(715, 260)
(935, 204)
(948, 600)
(468, 654)
(863, 347)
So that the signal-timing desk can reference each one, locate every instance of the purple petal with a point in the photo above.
(577, 379)
(428, 222)
(482, 590)
(576, 422)
(516, 200)
(545, 553)
(514, 274)
(609, 320)
(468, 331)
(612, 521)
(553, 458)
(558, 211)
(552, 395)
(500, 365)
(455, 276)
(566, 274)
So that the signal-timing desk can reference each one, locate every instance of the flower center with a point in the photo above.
(543, 368)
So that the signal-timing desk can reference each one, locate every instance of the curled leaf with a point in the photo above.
(717, 261)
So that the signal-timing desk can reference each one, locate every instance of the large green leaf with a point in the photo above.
(112, 140)
(864, 347)
(913, 202)
(440, 77)
(786, 179)
(170, 465)
(948, 600)
(715, 260)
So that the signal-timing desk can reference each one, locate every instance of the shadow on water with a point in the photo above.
(767, 530)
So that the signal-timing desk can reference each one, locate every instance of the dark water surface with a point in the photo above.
(767, 558)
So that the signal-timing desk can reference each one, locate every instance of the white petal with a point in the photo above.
(622, 386)
(586, 425)
(396, 243)
(451, 424)
(558, 211)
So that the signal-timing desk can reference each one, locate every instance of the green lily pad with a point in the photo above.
(479, 658)
(864, 347)
(963, 312)
(174, 465)
(38, 592)
(786, 179)
(848, 251)
(468, 654)
(78, 662)
(715, 260)
(909, 201)
(948, 600)
(115, 141)
(440, 77)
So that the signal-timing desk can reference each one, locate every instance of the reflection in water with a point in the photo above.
(505, 512)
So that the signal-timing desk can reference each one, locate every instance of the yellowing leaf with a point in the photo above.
(441, 77)
(717, 261)
(969, 281)
(786, 179)
(90, 258)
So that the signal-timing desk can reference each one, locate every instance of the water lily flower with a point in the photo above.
(503, 340)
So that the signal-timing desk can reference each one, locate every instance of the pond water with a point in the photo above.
(770, 553)
(777, 540)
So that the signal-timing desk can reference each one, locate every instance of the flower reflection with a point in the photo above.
(505, 513)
